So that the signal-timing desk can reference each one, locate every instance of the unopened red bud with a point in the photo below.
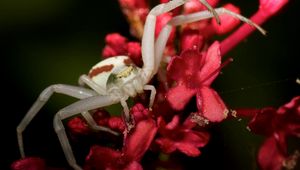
(116, 123)
(134, 52)
(228, 23)
(115, 38)
(78, 126)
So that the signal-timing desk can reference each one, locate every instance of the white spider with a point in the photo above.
(116, 79)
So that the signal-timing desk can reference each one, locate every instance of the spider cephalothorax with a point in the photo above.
(117, 75)
(115, 79)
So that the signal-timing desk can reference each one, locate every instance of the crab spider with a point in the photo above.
(115, 79)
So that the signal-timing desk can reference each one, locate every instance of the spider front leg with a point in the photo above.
(78, 107)
(185, 19)
(150, 61)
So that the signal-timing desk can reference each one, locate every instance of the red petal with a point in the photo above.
(191, 39)
(198, 139)
(210, 105)
(137, 143)
(185, 67)
(102, 158)
(228, 23)
(179, 96)
(161, 123)
(262, 122)
(174, 65)
(188, 149)
(166, 145)
(289, 117)
(162, 129)
(269, 157)
(30, 163)
(294, 104)
(212, 63)
(174, 123)
(134, 166)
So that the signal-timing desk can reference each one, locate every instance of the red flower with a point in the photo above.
(135, 146)
(78, 125)
(117, 45)
(175, 136)
(194, 72)
(277, 125)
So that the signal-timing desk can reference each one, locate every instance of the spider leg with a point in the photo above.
(125, 108)
(84, 79)
(152, 95)
(74, 91)
(78, 107)
(148, 51)
(91, 122)
(184, 19)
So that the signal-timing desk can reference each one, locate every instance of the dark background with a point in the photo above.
(44, 42)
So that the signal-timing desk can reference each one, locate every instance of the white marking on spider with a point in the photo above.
(114, 80)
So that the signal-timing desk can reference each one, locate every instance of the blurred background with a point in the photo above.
(46, 42)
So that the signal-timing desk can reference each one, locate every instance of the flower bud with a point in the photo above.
(228, 23)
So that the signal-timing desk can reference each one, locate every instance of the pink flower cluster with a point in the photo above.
(194, 64)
